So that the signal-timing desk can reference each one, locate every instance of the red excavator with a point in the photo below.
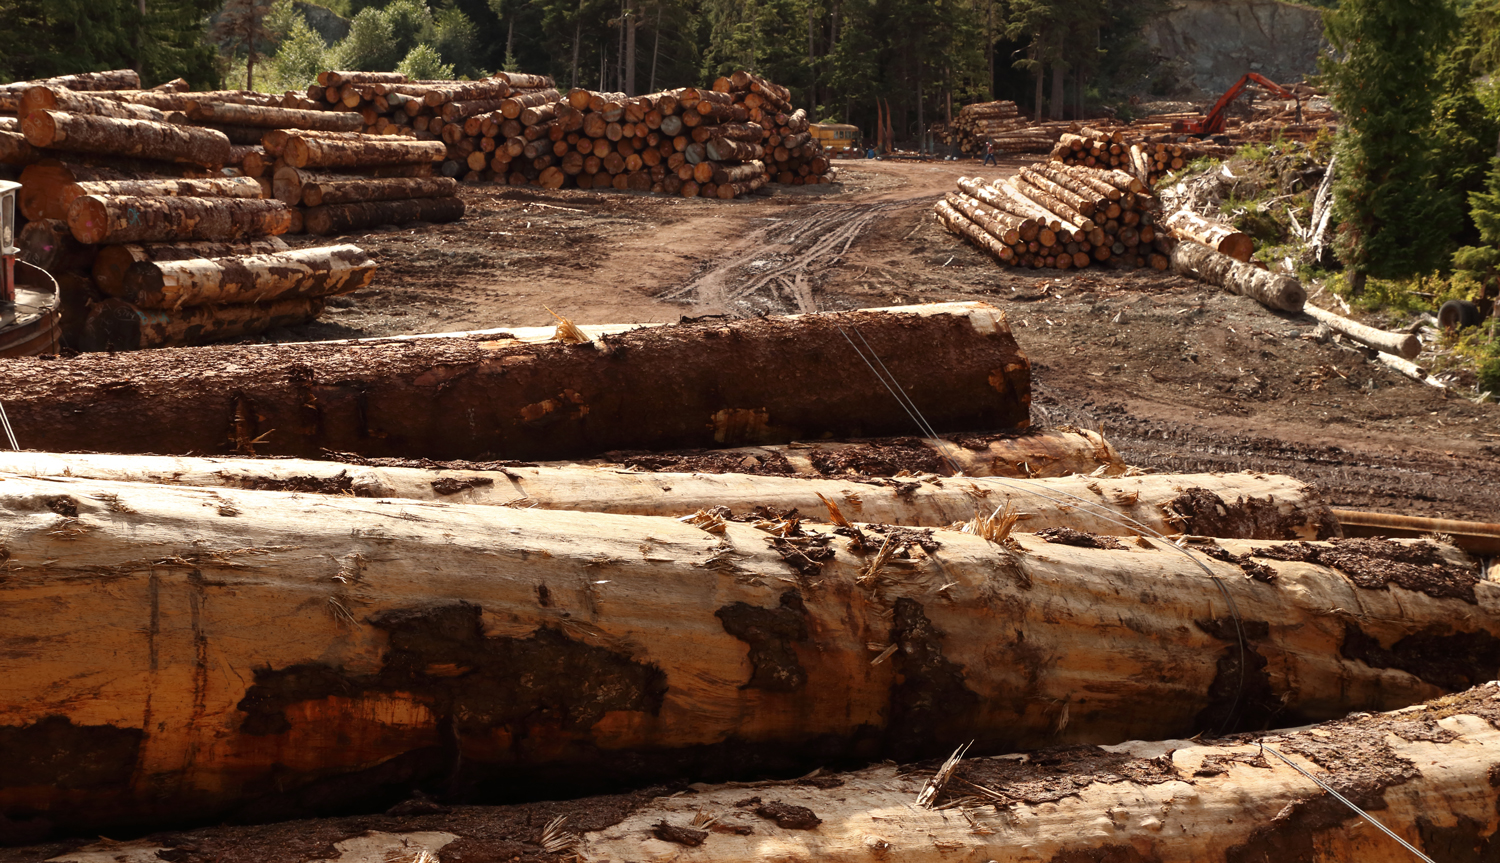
(1213, 123)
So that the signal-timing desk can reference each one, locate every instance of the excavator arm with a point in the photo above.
(1213, 122)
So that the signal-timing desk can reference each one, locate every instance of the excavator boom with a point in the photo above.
(1213, 122)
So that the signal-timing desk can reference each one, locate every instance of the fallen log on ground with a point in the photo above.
(1195, 260)
(294, 274)
(1404, 345)
(341, 218)
(115, 325)
(141, 139)
(1216, 235)
(1238, 505)
(111, 262)
(1422, 773)
(135, 219)
(294, 644)
(648, 388)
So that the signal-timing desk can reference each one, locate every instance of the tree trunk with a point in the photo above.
(376, 150)
(111, 263)
(1404, 345)
(1255, 506)
(511, 108)
(15, 150)
(47, 98)
(124, 219)
(83, 133)
(353, 190)
(115, 325)
(1218, 236)
(275, 118)
(957, 222)
(222, 187)
(1195, 260)
(294, 274)
(341, 218)
(629, 84)
(743, 173)
(547, 401)
(726, 150)
(352, 632)
(1059, 95)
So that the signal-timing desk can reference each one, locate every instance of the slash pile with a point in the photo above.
(1057, 215)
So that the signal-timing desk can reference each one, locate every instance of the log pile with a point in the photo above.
(1000, 124)
(1146, 160)
(1056, 215)
(131, 203)
(723, 142)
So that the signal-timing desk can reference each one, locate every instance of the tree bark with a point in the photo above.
(353, 190)
(339, 218)
(1005, 227)
(1404, 345)
(1256, 506)
(552, 400)
(15, 150)
(111, 262)
(115, 325)
(275, 118)
(1218, 236)
(245, 188)
(47, 98)
(725, 150)
(124, 219)
(352, 632)
(83, 133)
(47, 243)
(958, 222)
(1271, 290)
(376, 150)
(293, 274)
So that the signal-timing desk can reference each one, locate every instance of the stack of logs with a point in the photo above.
(152, 242)
(1057, 215)
(722, 142)
(1148, 162)
(1000, 124)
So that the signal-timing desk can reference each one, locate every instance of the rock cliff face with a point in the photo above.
(1213, 42)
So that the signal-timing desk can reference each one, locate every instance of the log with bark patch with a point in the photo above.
(1243, 505)
(1216, 235)
(219, 187)
(651, 387)
(126, 219)
(374, 150)
(293, 274)
(1272, 290)
(115, 325)
(335, 189)
(111, 262)
(340, 218)
(350, 634)
(274, 118)
(46, 98)
(142, 139)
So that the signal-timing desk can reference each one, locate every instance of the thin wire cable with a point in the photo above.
(1347, 802)
(8, 432)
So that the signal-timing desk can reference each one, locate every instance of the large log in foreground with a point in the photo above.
(1423, 773)
(691, 385)
(1243, 505)
(191, 653)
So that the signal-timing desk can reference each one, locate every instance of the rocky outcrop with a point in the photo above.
(1213, 42)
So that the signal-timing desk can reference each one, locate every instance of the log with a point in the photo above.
(47, 243)
(219, 187)
(299, 273)
(1274, 291)
(377, 150)
(352, 190)
(142, 139)
(341, 218)
(957, 222)
(1256, 506)
(726, 150)
(742, 173)
(125, 219)
(114, 79)
(274, 118)
(15, 150)
(115, 325)
(1003, 226)
(111, 262)
(350, 632)
(46, 98)
(1223, 238)
(545, 401)
(1404, 345)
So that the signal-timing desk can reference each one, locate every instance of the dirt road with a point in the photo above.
(1180, 375)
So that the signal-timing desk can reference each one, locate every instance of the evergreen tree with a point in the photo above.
(1395, 216)
(242, 24)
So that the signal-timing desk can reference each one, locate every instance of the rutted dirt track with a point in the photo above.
(1180, 375)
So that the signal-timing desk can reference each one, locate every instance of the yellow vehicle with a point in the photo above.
(836, 137)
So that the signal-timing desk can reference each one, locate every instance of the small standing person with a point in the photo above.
(989, 154)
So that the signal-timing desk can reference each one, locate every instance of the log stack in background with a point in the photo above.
(1057, 215)
(1148, 161)
(1000, 123)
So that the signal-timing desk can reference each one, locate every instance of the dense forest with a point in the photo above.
(923, 58)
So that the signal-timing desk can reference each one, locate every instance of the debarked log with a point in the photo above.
(1237, 505)
(1422, 773)
(138, 219)
(647, 388)
(297, 273)
(211, 652)
(111, 262)
(1404, 345)
(1273, 290)
(115, 325)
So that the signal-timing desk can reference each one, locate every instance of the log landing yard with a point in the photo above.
(476, 471)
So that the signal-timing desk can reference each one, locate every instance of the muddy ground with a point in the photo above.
(1180, 375)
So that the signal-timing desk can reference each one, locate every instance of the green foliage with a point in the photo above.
(1395, 215)
(424, 63)
(453, 39)
(59, 37)
(370, 46)
(299, 58)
